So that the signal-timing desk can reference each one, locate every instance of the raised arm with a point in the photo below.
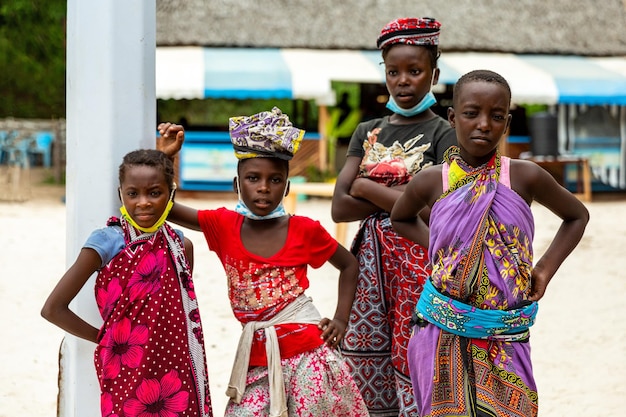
(56, 308)
(171, 139)
(335, 329)
(540, 186)
(170, 142)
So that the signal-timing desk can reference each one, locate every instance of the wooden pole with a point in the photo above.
(323, 145)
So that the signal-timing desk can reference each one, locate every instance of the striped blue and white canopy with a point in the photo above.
(239, 73)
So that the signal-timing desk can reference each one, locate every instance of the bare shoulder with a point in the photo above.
(526, 178)
(427, 183)
(524, 166)
(431, 172)
(533, 183)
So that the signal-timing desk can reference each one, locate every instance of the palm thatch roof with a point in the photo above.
(581, 27)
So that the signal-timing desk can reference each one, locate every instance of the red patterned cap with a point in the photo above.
(410, 31)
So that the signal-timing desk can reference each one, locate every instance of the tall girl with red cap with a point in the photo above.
(383, 155)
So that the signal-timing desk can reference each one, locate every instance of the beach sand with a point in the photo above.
(578, 342)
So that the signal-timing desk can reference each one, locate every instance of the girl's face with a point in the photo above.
(408, 74)
(480, 117)
(145, 194)
(262, 183)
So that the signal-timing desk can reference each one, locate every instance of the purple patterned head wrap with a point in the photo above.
(265, 134)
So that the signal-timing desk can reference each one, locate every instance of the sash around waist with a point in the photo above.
(469, 321)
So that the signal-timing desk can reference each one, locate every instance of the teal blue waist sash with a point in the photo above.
(468, 321)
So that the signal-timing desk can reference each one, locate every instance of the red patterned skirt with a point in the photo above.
(392, 272)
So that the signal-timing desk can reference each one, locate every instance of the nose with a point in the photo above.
(403, 78)
(484, 123)
(144, 200)
(264, 186)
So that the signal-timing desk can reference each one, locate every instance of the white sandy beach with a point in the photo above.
(579, 341)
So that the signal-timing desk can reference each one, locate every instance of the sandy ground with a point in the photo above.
(579, 341)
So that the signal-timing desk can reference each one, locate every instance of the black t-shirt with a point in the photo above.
(437, 131)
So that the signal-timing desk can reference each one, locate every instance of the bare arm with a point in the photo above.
(171, 140)
(356, 198)
(418, 197)
(335, 329)
(56, 308)
(184, 216)
(189, 252)
(532, 181)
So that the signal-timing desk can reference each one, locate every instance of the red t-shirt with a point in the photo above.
(258, 287)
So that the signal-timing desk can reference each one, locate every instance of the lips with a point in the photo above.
(143, 216)
(262, 203)
(481, 138)
(404, 97)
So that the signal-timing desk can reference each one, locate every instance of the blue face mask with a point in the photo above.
(425, 104)
(242, 209)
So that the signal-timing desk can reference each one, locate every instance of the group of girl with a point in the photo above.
(435, 297)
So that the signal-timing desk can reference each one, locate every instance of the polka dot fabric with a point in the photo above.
(150, 358)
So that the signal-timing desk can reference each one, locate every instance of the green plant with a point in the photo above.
(315, 174)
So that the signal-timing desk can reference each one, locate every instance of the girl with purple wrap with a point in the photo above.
(470, 353)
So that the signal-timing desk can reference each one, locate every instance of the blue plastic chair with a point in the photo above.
(3, 138)
(43, 146)
(14, 149)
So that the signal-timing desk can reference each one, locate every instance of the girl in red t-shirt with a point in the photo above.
(286, 362)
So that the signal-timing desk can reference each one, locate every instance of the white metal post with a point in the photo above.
(111, 110)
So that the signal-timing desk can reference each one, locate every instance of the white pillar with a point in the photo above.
(111, 110)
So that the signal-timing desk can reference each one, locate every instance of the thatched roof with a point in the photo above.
(582, 27)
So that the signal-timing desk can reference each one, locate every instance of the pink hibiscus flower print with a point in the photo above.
(106, 299)
(158, 398)
(106, 405)
(147, 277)
(122, 345)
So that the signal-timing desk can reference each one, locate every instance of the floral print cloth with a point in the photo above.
(392, 271)
(481, 234)
(150, 358)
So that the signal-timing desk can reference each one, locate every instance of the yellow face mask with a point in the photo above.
(158, 223)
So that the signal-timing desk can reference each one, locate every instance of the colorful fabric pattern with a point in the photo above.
(465, 320)
(481, 251)
(410, 31)
(150, 357)
(436, 132)
(269, 133)
(392, 271)
(392, 165)
(318, 383)
(259, 289)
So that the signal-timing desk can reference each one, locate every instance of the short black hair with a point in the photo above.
(480, 75)
(148, 157)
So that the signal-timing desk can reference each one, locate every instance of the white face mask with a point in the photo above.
(242, 209)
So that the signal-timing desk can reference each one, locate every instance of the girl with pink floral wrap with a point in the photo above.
(149, 357)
